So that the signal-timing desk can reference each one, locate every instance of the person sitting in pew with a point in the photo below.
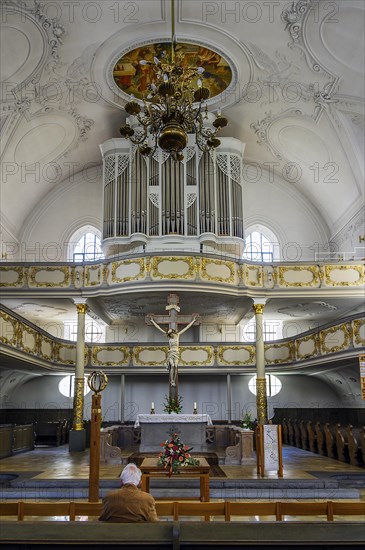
(129, 504)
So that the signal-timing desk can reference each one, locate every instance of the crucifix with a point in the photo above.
(173, 320)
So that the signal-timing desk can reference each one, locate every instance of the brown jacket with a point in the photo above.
(128, 504)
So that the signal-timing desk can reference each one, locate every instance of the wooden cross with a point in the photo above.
(173, 320)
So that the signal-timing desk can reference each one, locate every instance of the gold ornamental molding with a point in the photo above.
(261, 400)
(81, 308)
(252, 275)
(35, 274)
(334, 335)
(46, 348)
(70, 350)
(6, 278)
(28, 339)
(299, 276)
(307, 347)
(93, 275)
(218, 266)
(97, 361)
(167, 262)
(9, 330)
(78, 404)
(208, 350)
(127, 266)
(137, 360)
(344, 275)
(271, 349)
(359, 324)
(234, 352)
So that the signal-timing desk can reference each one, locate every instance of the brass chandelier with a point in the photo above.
(174, 107)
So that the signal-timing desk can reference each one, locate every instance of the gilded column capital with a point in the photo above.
(81, 308)
(258, 308)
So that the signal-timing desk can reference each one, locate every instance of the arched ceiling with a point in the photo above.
(296, 100)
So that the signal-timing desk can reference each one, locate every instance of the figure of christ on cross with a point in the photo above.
(173, 320)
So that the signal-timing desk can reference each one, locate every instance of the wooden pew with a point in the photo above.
(312, 438)
(330, 440)
(304, 435)
(321, 440)
(354, 447)
(341, 444)
(176, 509)
(297, 435)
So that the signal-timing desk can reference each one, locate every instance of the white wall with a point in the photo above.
(210, 393)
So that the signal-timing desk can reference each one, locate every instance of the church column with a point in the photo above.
(77, 441)
(229, 399)
(261, 399)
(122, 397)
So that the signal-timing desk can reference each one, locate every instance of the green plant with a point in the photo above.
(247, 423)
(175, 454)
(173, 405)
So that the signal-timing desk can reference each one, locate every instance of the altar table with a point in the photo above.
(150, 470)
(156, 428)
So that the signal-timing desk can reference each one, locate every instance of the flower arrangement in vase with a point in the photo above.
(175, 455)
(173, 405)
(247, 423)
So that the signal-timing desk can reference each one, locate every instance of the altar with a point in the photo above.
(156, 428)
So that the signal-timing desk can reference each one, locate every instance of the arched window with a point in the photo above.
(85, 245)
(261, 245)
(273, 385)
(66, 386)
(273, 330)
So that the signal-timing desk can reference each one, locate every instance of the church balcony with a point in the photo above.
(28, 343)
(189, 271)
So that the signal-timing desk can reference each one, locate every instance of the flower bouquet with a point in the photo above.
(247, 423)
(174, 455)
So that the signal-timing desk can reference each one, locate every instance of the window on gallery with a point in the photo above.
(273, 330)
(88, 249)
(273, 385)
(85, 245)
(94, 330)
(66, 386)
(261, 245)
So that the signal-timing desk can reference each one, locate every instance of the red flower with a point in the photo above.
(181, 458)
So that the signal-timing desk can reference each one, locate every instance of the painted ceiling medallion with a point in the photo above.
(133, 78)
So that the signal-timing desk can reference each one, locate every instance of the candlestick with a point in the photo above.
(152, 408)
(195, 411)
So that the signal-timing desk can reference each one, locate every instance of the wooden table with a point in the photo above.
(150, 469)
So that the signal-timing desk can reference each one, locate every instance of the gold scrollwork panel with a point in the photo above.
(11, 276)
(335, 339)
(299, 276)
(28, 339)
(151, 356)
(128, 270)
(93, 275)
(236, 355)
(307, 347)
(46, 348)
(279, 353)
(344, 275)
(196, 356)
(173, 268)
(65, 354)
(9, 329)
(109, 356)
(359, 332)
(252, 275)
(218, 271)
(49, 277)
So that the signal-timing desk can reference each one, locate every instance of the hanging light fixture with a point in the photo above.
(174, 107)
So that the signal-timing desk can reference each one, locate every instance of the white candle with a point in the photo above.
(153, 405)
(194, 405)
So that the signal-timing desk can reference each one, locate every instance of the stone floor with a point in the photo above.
(54, 472)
